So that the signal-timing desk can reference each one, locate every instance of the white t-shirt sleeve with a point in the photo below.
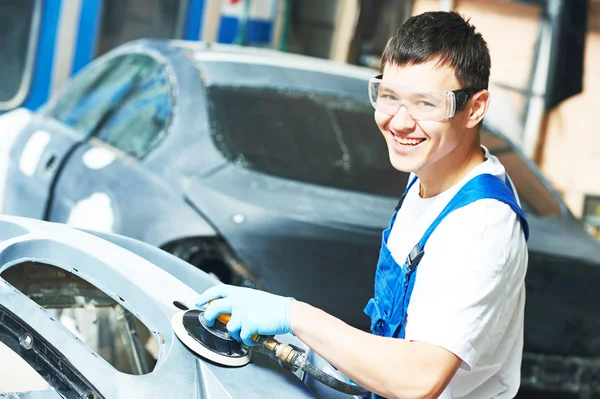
(468, 283)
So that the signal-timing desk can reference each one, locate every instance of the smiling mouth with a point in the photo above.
(407, 142)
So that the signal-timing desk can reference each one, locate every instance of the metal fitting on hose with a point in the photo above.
(288, 356)
(294, 358)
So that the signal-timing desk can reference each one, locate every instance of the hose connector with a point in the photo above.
(288, 356)
(293, 358)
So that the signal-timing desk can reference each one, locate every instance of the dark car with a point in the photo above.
(267, 170)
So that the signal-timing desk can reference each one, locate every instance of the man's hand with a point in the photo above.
(252, 311)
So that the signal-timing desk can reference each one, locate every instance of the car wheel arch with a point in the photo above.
(212, 255)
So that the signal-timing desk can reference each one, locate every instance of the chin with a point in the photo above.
(404, 164)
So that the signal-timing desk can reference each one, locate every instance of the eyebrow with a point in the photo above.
(386, 89)
(413, 94)
(389, 87)
(424, 95)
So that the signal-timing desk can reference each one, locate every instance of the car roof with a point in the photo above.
(272, 57)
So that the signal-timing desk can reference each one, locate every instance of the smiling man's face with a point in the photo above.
(417, 146)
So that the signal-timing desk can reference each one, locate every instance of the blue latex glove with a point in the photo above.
(252, 311)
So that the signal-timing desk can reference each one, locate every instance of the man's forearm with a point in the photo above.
(387, 366)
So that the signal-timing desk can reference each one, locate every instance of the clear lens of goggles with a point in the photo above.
(420, 105)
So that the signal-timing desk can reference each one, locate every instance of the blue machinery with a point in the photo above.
(45, 42)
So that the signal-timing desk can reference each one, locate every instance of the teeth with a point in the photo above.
(407, 141)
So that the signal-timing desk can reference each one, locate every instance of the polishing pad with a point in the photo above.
(211, 343)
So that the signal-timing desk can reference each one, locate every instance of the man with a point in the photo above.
(447, 314)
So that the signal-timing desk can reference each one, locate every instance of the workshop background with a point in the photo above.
(545, 56)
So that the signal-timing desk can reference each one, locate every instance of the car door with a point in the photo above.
(43, 148)
(33, 159)
(105, 185)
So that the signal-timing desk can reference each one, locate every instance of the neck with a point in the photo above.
(449, 170)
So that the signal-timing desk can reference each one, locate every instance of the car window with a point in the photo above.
(315, 138)
(95, 91)
(139, 123)
(535, 196)
(331, 141)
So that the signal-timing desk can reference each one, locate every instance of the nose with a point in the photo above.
(402, 120)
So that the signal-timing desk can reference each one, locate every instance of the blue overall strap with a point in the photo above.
(484, 186)
(405, 192)
(480, 187)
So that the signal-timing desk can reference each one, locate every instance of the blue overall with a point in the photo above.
(394, 283)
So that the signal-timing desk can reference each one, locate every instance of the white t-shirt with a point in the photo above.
(469, 293)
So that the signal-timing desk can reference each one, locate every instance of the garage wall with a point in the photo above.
(571, 154)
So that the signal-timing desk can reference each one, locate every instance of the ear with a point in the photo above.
(479, 106)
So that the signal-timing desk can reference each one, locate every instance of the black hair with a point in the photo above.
(445, 36)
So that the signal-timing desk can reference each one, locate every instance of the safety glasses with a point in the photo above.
(421, 105)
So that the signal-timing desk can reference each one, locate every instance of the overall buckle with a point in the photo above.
(414, 257)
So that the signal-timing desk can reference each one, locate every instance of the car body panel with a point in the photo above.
(145, 289)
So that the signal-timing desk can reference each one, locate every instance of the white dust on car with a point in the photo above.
(97, 158)
(32, 152)
(94, 213)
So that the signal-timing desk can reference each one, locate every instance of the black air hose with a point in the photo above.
(333, 382)
(293, 358)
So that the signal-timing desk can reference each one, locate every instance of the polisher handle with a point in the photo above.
(225, 317)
